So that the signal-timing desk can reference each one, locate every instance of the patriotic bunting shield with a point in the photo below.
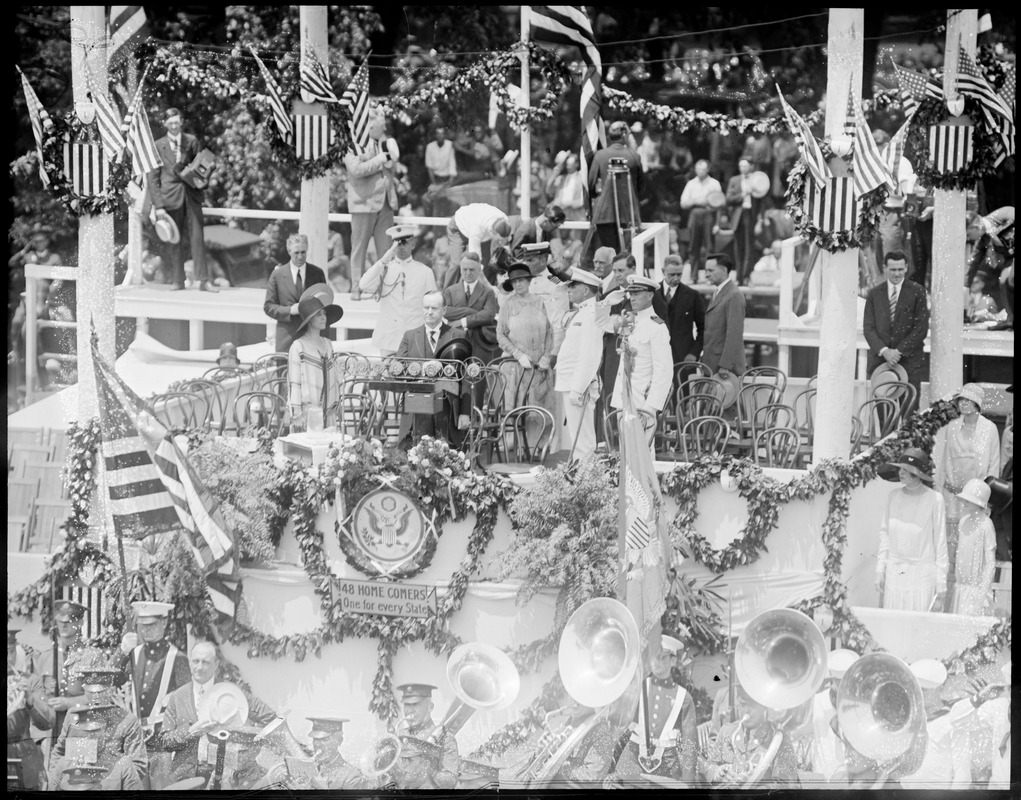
(153, 488)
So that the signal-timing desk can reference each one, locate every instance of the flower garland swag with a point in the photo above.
(493, 72)
(70, 128)
(870, 209)
(440, 479)
(983, 652)
(916, 146)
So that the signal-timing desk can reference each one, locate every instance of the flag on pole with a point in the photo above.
(915, 88)
(315, 83)
(870, 170)
(644, 547)
(153, 488)
(972, 82)
(356, 100)
(128, 26)
(276, 100)
(1008, 92)
(41, 123)
(140, 144)
(109, 121)
(893, 152)
(570, 25)
(811, 153)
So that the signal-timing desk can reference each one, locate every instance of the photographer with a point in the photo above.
(604, 216)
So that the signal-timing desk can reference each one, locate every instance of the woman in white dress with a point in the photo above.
(314, 380)
(976, 552)
(911, 567)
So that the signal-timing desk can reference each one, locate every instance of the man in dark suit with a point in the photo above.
(723, 338)
(471, 309)
(286, 284)
(533, 230)
(744, 213)
(174, 199)
(897, 321)
(426, 341)
(602, 213)
(683, 310)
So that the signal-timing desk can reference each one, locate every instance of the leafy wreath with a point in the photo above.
(916, 146)
(73, 129)
(870, 209)
(328, 161)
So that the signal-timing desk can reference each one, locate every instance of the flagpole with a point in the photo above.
(134, 218)
(525, 156)
(625, 376)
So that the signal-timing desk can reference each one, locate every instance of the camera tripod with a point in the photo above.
(618, 172)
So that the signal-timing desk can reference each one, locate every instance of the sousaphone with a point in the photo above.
(483, 678)
(780, 659)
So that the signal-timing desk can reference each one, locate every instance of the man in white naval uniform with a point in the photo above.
(578, 364)
(401, 283)
(649, 339)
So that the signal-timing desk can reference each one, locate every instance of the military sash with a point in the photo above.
(156, 717)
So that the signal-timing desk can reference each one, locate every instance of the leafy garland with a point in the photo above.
(870, 209)
(73, 129)
(916, 146)
(983, 652)
(332, 159)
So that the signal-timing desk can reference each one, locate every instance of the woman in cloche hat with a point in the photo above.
(976, 552)
(911, 567)
(313, 378)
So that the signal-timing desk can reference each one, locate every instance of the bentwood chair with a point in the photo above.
(777, 447)
(523, 440)
(704, 436)
(750, 398)
(878, 417)
(611, 427)
(181, 411)
(901, 392)
(215, 397)
(355, 414)
(259, 410)
(768, 375)
(266, 368)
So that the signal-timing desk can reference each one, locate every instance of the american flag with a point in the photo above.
(86, 167)
(356, 100)
(276, 101)
(138, 135)
(642, 583)
(950, 147)
(811, 153)
(972, 82)
(315, 83)
(870, 170)
(1008, 92)
(128, 26)
(893, 152)
(41, 122)
(570, 25)
(109, 121)
(914, 88)
(153, 488)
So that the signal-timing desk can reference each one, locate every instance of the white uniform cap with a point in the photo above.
(670, 644)
(931, 674)
(586, 277)
(641, 282)
(148, 608)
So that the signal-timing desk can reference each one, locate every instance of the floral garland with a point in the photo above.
(870, 210)
(71, 128)
(983, 652)
(916, 146)
(492, 72)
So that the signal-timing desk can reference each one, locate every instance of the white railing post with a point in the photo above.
(31, 336)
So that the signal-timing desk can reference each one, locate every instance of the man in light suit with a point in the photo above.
(174, 199)
(371, 197)
(426, 341)
(182, 728)
(578, 364)
(284, 289)
(723, 350)
(744, 213)
(897, 338)
(683, 310)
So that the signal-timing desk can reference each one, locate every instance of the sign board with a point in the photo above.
(384, 597)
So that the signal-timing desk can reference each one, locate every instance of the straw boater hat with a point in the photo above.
(166, 228)
(911, 459)
(887, 373)
(515, 271)
(224, 704)
(973, 392)
(313, 300)
(975, 491)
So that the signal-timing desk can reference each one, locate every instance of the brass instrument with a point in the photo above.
(780, 659)
(381, 757)
(483, 678)
(881, 712)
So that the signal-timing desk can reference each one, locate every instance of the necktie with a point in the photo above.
(175, 145)
(893, 303)
(432, 340)
(467, 290)
(299, 284)
(669, 293)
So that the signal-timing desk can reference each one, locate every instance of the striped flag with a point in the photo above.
(915, 88)
(313, 135)
(972, 82)
(1008, 92)
(893, 152)
(644, 548)
(832, 205)
(870, 170)
(86, 168)
(849, 117)
(570, 25)
(315, 83)
(811, 153)
(138, 135)
(128, 26)
(94, 600)
(41, 123)
(356, 100)
(950, 147)
(109, 121)
(153, 488)
(276, 101)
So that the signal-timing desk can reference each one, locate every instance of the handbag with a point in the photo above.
(197, 173)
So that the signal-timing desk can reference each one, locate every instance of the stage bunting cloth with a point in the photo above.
(153, 488)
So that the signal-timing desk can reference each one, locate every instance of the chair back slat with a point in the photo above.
(526, 434)
(182, 411)
(259, 410)
(777, 448)
(704, 436)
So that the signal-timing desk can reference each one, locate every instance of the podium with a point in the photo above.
(420, 397)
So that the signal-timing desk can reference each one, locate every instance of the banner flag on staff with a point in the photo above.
(570, 25)
(128, 26)
(642, 579)
(153, 489)
(315, 83)
(1008, 92)
(109, 121)
(893, 152)
(40, 120)
(870, 170)
(276, 100)
(138, 135)
(971, 82)
(915, 88)
(356, 100)
(811, 153)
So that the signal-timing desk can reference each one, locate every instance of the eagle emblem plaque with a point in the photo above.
(389, 528)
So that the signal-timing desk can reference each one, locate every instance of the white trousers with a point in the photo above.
(575, 416)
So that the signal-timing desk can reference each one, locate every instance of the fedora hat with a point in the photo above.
(515, 271)
(166, 228)
(315, 299)
(716, 199)
(224, 704)
(888, 373)
(911, 459)
(759, 184)
(457, 349)
(976, 491)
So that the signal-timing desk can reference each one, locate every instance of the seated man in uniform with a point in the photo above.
(334, 770)
(429, 756)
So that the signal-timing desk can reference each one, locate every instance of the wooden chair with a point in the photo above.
(17, 534)
(704, 436)
(878, 418)
(777, 447)
(21, 492)
(355, 414)
(750, 398)
(22, 454)
(683, 370)
(518, 448)
(216, 401)
(277, 386)
(804, 411)
(45, 521)
(475, 439)
(494, 396)
(268, 367)
(219, 373)
(901, 392)
(181, 411)
(259, 410)
(768, 375)
(611, 427)
(773, 415)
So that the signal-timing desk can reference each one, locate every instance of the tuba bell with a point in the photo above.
(881, 711)
(780, 659)
(381, 757)
(482, 678)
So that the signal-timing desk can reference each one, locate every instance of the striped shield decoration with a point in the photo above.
(832, 207)
(85, 168)
(950, 147)
(313, 135)
(92, 598)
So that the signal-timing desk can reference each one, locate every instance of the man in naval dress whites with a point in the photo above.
(578, 365)
(662, 745)
(155, 668)
(421, 770)
(64, 687)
